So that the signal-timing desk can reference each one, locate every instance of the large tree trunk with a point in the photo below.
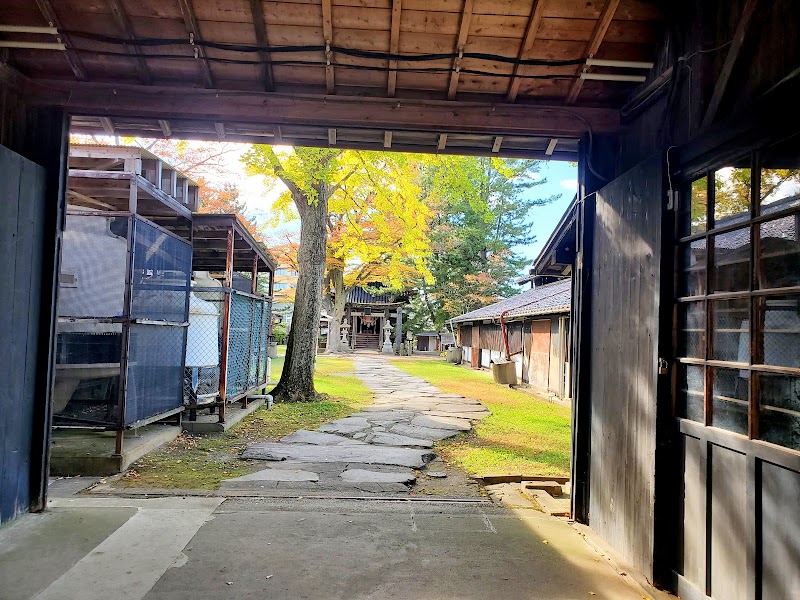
(339, 299)
(297, 379)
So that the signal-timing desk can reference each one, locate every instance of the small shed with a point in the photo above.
(428, 341)
(537, 325)
(233, 277)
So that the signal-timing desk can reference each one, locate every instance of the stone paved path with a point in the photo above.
(378, 450)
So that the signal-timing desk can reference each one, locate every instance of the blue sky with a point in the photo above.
(562, 178)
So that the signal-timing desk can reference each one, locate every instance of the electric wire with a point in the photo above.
(322, 63)
(354, 52)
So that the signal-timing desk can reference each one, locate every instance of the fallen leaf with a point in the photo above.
(229, 583)
(545, 542)
(592, 594)
(269, 577)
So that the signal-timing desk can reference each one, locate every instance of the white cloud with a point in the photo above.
(569, 184)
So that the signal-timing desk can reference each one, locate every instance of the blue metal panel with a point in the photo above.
(22, 231)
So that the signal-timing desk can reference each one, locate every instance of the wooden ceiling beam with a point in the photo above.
(463, 35)
(257, 12)
(177, 104)
(498, 142)
(327, 32)
(124, 23)
(730, 61)
(442, 141)
(332, 136)
(600, 29)
(387, 139)
(190, 19)
(551, 146)
(72, 57)
(524, 51)
(394, 47)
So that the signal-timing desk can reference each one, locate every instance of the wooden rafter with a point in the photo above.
(463, 34)
(524, 51)
(190, 19)
(394, 46)
(107, 125)
(166, 129)
(327, 32)
(594, 44)
(124, 23)
(256, 10)
(72, 57)
(220, 129)
(730, 61)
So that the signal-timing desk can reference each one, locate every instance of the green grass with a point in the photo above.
(524, 435)
(202, 461)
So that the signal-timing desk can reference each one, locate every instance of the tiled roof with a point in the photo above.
(545, 299)
(361, 296)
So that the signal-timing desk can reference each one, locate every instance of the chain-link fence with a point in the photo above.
(246, 351)
(107, 321)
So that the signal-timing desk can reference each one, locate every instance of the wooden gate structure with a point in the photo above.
(700, 480)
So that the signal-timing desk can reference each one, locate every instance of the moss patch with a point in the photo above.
(202, 461)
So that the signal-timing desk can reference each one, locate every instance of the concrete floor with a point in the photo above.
(210, 548)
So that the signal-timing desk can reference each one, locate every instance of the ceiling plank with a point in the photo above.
(327, 31)
(190, 19)
(124, 23)
(394, 47)
(527, 43)
(463, 34)
(594, 45)
(730, 61)
(72, 57)
(257, 13)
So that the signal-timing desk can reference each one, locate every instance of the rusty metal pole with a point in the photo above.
(226, 316)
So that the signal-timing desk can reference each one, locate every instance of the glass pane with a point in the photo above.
(731, 330)
(732, 261)
(780, 189)
(779, 252)
(692, 261)
(691, 329)
(730, 393)
(691, 386)
(780, 323)
(780, 409)
(694, 218)
(731, 196)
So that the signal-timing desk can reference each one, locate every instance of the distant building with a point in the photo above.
(537, 325)
(285, 287)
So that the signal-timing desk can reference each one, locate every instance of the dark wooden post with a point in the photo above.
(46, 142)
(398, 336)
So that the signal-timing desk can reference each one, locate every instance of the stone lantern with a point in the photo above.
(387, 341)
(345, 326)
